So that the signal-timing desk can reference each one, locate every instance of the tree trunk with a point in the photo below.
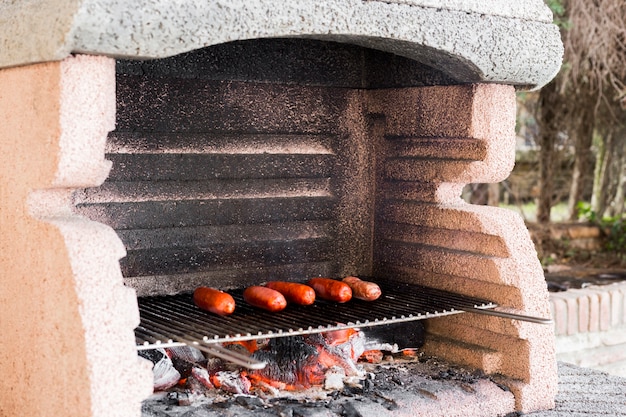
(494, 194)
(480, 194)
(616, 206)
(618, 202)
(548, 157)
(582, 172)
(601, 190)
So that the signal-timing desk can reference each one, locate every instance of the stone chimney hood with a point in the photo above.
(473, 41)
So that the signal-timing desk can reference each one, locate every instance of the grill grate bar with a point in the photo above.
(168, 320)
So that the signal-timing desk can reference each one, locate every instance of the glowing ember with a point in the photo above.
(300, 362)
(293, 363)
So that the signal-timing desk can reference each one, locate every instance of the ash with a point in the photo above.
(396, 386)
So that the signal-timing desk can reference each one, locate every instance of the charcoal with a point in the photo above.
(350, 411)
(397, 380)
(185, 358)
(334, 378)
(198, 382)
(232, 382)
(187, 353)
(403, 335)
(285, 356)
(164, 373)
(202, 376)
(153, 355)
(376, 390)
(251, 402)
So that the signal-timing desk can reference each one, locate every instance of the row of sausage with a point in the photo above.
(274, 295)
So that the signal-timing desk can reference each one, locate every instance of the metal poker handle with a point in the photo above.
(215, 349)
(496, 313)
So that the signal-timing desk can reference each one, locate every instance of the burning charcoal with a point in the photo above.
(187, 353)
(338, 337)
(372, 356)
(236, 348)
(202, 375)
(249, 346)
(373, 344)
(199, 380)
(357, 346)
(410, 353)
(214, 365)
(347, 354)
(266, 387)
(285, 357)
(233, 382)
(184, 358)
(165, 375)
(302, 361)
(334, 378)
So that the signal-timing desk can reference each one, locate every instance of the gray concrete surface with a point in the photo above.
(585, 392)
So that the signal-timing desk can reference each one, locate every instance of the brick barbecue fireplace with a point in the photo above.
(153, 147)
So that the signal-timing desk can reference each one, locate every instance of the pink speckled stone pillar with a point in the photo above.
(437, 140)
(67, 320)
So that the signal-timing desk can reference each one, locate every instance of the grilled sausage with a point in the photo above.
(331, 289)
(213, 300)
(265, 298)
(363, 290)
(294, 292)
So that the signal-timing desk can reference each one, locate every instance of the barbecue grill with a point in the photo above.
(154, 147)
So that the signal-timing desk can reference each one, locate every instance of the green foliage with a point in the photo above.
(547, 261)
(586, 213)
(558, 10)
(556, 6)
(614, 227)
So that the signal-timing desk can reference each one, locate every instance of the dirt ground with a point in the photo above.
(570, 265)
(560, 250)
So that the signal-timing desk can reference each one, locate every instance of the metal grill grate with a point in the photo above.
(175, 320)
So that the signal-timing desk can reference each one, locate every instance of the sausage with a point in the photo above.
(213, 300)
(363, 290)
(265, 298)
(331, 289)
(294, 292)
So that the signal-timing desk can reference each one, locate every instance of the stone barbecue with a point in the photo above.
(150, 147)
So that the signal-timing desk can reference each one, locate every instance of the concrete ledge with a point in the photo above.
(590, 327)
(469, 41)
